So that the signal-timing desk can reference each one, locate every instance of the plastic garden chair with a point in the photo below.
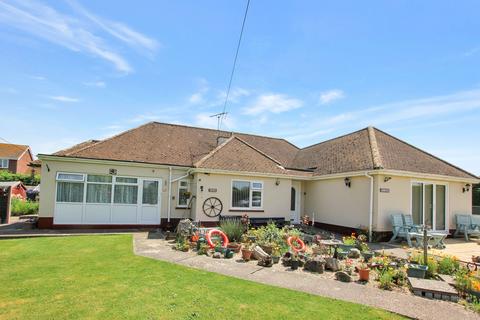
(399, 229)
(408, 222)
(467, 226)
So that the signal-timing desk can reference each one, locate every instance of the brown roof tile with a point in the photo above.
(12, 151)
(175, 144)
(161, 143)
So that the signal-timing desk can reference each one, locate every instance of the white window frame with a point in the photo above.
(180, 187)
(2, 161)
(137, 184)
(250, 200)
(447, 202)
(94, 182)
(83, 181)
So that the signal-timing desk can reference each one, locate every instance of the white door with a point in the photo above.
(149, 211)
(295, 203)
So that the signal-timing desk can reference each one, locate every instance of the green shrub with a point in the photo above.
(432, 263)
(27, 179)
(386, 279)
(20, 207)
(233, 228)
(448, 265)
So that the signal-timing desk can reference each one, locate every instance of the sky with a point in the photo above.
(307, 71)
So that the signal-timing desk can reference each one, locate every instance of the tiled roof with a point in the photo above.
(174, 144)
(12, 151)
(237, 155)
(161, 143)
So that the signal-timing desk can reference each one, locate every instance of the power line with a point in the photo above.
(224, 113)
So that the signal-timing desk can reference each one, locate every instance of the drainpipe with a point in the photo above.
(370, 213)
(169, 203)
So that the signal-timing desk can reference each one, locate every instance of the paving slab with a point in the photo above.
(318, 284)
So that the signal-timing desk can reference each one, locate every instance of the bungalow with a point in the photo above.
(156, 174)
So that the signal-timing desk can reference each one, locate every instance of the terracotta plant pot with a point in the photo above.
(235, 247)
(364, 274)
(246, 254)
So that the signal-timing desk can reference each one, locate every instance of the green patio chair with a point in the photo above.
(468, 225)
(399, 229)
(408, 222)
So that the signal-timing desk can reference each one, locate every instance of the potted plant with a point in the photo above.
(247, 253)
(417, 270)
(182, 245)
(233, 228)
(294, 262)
(276, 253)
(363, 272)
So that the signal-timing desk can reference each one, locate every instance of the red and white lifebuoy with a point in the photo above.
(219, 233)
(296, 244)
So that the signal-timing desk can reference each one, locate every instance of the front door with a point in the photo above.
(295, 203)
(429, 205)
(150, 202)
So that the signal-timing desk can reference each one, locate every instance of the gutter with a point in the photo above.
(370, 213)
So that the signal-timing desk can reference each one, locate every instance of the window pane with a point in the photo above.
(98, 178)
(70, 176)
(150, 192)
(417, 203)
(476, 198)
(257, 185)
(183, 196)
(3, 163)
(241, 194)
(126, 180)
(99, 193)
(69, 192)
(256, 199)
(428, 204)
(440, 207)
(125, 194)
(184, 183)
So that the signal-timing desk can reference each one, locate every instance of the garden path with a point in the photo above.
(150, 245)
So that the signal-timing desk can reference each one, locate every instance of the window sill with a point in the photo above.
(246, 210)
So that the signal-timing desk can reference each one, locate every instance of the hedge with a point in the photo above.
(27, 179)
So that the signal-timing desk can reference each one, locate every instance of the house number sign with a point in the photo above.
(385, 190)
(212, 189)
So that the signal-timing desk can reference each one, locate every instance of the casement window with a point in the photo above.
(99, 189)
(150, 192)
(247, 194)
(3, 163)
(70, 187)
(126, 190)
(183, 193)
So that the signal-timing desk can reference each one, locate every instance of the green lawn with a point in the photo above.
(90, 277)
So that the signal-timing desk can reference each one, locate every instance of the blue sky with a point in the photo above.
(307, 71)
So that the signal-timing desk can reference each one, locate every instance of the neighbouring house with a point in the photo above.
(156, 174)
(15, 158)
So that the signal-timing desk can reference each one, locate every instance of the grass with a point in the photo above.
(90, 277)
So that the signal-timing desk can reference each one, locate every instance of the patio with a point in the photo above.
(456, 247)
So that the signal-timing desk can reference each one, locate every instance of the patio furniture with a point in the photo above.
(399, 229)
(467, 225)
(435, 239)
(408, 222)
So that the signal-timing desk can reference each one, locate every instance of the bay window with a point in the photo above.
(247, 194)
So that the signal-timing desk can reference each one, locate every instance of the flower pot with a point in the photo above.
(228, 254)
(294, 264)
(235, 247)
(246, 254)
(342, 255)
(364, 274)
(275, 259)
(417, 271)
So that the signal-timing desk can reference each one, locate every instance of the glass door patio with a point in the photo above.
(429, 205)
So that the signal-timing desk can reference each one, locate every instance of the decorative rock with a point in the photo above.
(332, 264)
(354, 253)
(316, 264)
(217, 255)
(259, 254)
(343, 276)
(266, 262)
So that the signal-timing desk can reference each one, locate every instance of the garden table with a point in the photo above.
(434, 239)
